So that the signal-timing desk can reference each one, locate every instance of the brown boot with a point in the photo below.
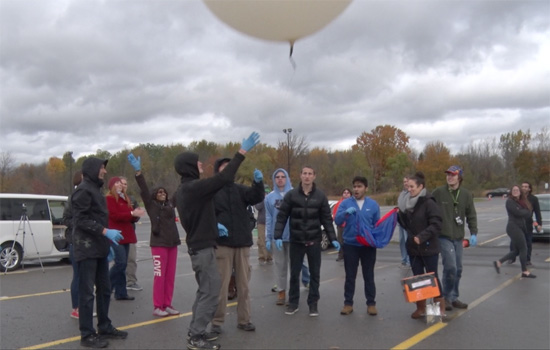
(441, 302)
(420, 309)
(281, 298)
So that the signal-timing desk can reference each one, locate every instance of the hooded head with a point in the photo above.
(186, 165)
(219, 162)
(90, 170)
(281, 171)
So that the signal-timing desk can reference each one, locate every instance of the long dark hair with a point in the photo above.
(522, 199)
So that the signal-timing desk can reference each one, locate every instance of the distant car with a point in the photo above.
(544, 202)
(499, 192)
(325, 241)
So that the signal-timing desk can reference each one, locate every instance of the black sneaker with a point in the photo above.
(114, 333)
(94, 341)
(459, 305)
(197, 342)
(291, 309)
(247, 327)
(208, 336)
(313, 310)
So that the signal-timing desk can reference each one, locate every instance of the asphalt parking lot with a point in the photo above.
(505, 311)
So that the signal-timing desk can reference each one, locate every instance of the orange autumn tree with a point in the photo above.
(382, 143)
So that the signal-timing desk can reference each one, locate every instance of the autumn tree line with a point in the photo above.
(382, 155)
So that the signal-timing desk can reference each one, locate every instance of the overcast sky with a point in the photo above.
(80, 75)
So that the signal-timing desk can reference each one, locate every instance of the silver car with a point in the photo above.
(544, 201)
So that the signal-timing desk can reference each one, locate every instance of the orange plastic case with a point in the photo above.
(420, 287)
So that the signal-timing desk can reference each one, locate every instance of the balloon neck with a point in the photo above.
(291, 42)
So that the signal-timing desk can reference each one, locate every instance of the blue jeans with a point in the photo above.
(296, 254)
(352, 256)
(117, 274)
(403, 246)
(75, 281)
(94, 272)
(451, 257)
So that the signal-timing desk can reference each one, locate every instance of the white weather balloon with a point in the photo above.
(278, 20)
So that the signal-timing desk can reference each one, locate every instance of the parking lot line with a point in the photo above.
(130, 326)
(34, 295)
(417, 338)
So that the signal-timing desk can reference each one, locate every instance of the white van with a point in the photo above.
(31, 227)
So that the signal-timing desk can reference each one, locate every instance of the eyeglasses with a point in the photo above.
(280, 177)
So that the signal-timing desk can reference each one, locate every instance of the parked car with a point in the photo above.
(499, 192)
(325, 241)
(544, 202)
(31, 228)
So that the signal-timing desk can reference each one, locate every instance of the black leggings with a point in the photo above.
(519, 245)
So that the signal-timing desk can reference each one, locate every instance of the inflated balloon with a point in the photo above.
(278, 20)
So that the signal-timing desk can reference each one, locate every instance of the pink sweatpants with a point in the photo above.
(164, 269)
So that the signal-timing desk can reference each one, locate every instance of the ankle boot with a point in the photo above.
(420, 309)
(441, 302)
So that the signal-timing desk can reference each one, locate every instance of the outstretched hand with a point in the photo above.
(258, 176)
(251, 141)
(135, 162)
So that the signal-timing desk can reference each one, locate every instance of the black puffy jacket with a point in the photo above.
(424, 222)
(307, 214)
(90, 214)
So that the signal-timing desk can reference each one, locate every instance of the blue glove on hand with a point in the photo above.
(279, 244)
(222, 230)
(251, 141)
(111, 255)
(258, 176)
(336, 245)
(473, 240)
(135, 162)
(113, 235)
(351, 211)
(268, 246)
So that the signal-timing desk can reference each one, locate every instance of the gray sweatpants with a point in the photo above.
(209, 281)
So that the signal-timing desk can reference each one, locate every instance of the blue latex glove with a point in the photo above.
(268, 246)
(258, 176)
(135, 162)
(279, 244)
(111, 255)
(222, 230)
(113, 235)
(336, 245)
(351, 211)
(473, 240)
(251, 141)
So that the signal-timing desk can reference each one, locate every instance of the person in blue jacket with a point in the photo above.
(359, 213)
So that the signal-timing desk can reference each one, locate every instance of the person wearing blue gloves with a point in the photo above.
(91, 242)
(308, 210)
(458, 210)
(358, 212)
(195, 205)
(234, 242)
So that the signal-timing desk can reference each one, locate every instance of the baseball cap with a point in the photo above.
(455, 170)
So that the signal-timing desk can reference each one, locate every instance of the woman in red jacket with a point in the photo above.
(121, 217)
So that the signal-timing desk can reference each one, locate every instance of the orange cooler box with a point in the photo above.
(420, 287)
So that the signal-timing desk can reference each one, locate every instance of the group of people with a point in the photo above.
(213, 212)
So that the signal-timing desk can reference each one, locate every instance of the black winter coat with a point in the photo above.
(164, 232)
(90, 214)
(424, 222)
(307, 214)
(231, 204)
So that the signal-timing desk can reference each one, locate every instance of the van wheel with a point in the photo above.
(10, 259)
(325, 243)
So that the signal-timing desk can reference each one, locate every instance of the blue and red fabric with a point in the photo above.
(381, 234)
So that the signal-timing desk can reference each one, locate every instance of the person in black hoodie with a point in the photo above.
(233, 253)
(92, 240)
(164, 241)
(195, 205)
(421, 217)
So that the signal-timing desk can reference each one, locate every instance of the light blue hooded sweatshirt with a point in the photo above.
(272, 202)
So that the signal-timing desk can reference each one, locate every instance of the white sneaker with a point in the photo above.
(171, 310)
(160, 313)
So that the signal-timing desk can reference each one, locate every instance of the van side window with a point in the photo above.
(56, 210)
(36, 209)
(6, 212)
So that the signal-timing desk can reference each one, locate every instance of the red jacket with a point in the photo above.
(121, 219)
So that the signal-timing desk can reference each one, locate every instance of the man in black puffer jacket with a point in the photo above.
(233, 251)
(92, 240)
(308, 209)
